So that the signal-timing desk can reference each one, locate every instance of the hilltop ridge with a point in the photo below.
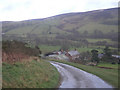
(75, 27)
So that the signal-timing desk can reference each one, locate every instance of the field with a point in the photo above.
(94, 26)
(46, 48)
(96, 40)
(85, 49)
(106, 64)
(50, 48)
(109, 75)
(30, 74)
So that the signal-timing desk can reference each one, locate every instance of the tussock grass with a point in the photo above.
(31, 74)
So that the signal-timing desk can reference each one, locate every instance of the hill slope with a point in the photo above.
(105, 20)
(102, 24)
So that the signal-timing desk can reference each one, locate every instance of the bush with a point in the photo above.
(15, 50)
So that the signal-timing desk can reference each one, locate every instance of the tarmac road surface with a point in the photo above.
(75, 78)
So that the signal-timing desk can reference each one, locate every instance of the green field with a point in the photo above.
(31, 74)
(96, 40)
(109, 75)
(85, 49)
(50, 48)
(106, 64)
(95, 26)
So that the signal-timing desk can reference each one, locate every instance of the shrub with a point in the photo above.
(15, 51)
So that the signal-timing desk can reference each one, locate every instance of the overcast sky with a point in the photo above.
(17, 10)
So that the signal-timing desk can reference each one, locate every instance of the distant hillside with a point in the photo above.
(70, 26)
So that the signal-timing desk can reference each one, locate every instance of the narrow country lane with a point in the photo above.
(76, 78)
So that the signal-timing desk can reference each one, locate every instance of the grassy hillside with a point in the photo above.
(30, 74)
(93, 28)
(104, 20)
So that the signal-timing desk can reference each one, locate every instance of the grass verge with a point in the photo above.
(109, 65)
(31, 74)
(109, 75)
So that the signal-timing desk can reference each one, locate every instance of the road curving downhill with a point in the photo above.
(75, 78)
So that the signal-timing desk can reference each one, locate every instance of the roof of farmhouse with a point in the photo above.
(72, 53)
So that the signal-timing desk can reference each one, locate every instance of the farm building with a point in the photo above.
(73, 54)
(64, 55)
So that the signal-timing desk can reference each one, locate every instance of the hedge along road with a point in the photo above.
(75, 78)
